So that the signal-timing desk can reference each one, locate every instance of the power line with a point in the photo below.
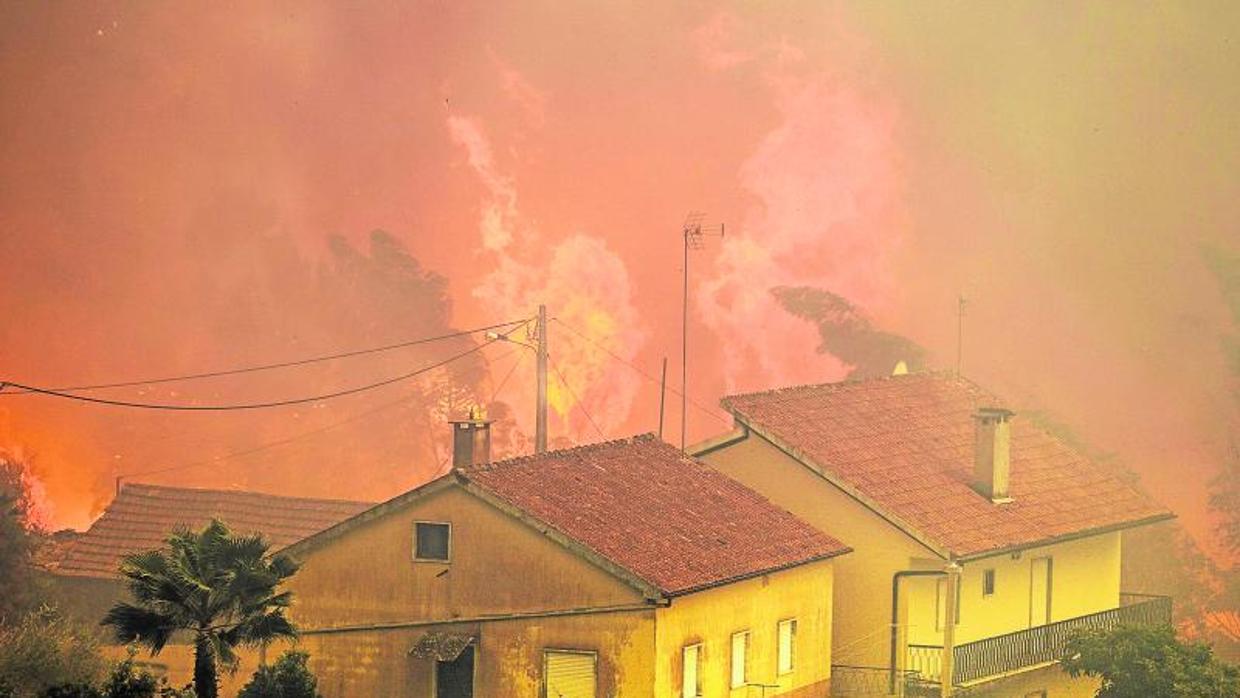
(262, 367)
(641, 372)
(250, 405)
(576, 400)
(502, 383)
(402, 400)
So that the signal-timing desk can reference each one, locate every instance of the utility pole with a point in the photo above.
(540, 420)
(693, 233)
(947, 665)
(662, 395)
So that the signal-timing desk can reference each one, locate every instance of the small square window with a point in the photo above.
(988, 582)
(432, 541)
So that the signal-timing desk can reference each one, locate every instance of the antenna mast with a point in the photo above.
(693, 234)
(961, 303)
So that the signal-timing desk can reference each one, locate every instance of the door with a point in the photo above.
(1040, 591)
(455, 679)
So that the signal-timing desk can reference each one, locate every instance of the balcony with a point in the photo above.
(1004, 654)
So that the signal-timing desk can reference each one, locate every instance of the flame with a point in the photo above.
(584, 283)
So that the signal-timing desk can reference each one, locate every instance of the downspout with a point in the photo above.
(895, 615)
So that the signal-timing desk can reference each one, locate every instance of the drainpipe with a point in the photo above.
(947, 663)
(895, 616)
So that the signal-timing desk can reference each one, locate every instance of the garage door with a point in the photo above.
(569, 674)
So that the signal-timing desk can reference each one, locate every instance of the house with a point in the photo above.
(83, 579)
(621, 568)
(941, 489)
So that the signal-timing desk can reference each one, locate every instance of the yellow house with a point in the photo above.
(621, 568)
(939, 489)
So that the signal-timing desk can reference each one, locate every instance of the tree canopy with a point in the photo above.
(1149, 662)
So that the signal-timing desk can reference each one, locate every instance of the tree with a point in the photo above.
(287, 678)
(1149, 662)
(218, 586)
(18, 540)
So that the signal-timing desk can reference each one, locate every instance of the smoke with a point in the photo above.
(188, 188)
(580, 277)
(826, 185)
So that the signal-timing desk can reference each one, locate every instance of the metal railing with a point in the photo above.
(850, 680)
(1002, 654)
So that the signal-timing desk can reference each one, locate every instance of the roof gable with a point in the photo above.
(142, 516)
(903, 445)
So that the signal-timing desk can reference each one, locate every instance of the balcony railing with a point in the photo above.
(1003, 654)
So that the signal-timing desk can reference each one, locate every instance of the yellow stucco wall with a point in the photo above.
(499, 564)
(1085, 579)
(711, 617)
(862, 596)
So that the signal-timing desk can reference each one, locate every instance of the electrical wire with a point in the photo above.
(576, 400)
(265, 367)
(402, 400)
(502, 383)
(713, 413)
(251, 405)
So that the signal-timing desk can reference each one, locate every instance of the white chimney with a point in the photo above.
(471, 439)
(992, 453)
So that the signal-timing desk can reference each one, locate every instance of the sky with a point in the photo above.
(193, 187)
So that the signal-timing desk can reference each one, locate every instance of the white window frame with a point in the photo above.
(415, 542)
(686, 691)
(783, 668)
(743, 635)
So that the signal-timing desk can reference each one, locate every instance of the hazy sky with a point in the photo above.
(1066, 166)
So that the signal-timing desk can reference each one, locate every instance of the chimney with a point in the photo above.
(471, 439)
(992, 453)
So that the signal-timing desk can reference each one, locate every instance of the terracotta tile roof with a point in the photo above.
(904, 444)
(668, 519)
(142, 516)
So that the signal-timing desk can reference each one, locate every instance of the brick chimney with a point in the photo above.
(471, 439)
(992, 453)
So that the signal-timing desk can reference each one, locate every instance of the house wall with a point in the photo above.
(499, 565)
(710, 618)
(509, 659)
(1085, 579)
(862, 579)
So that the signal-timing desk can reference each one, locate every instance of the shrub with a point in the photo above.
(287, 678)
(45, 650)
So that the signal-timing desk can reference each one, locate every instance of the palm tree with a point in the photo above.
(219, 587)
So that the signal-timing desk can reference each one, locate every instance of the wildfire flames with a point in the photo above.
(195, 189)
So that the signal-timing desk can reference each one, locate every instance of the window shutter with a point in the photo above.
(570, 674)
(740, 652)
(690, 688)
(787, 646)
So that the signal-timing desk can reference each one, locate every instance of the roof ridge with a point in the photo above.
(557, 453)
(847, 382)
(255, 493)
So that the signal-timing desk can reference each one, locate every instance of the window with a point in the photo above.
(691, 677)
(740, 659)
(569, 674)
(786, 654)
(432, 541)
(988, 583)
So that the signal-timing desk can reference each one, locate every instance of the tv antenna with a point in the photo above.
(694, 235)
